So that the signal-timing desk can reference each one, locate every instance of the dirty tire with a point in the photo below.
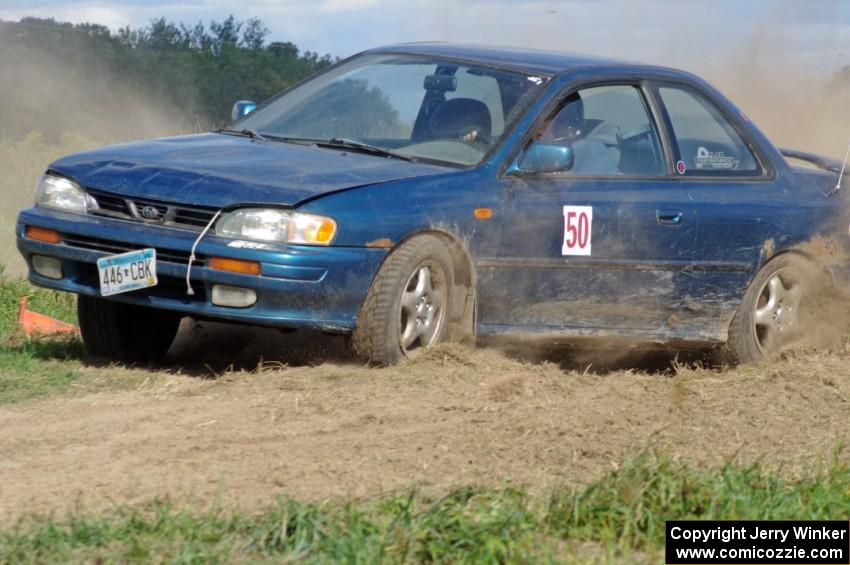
(382, 320)
(125, 332)
(780, 301)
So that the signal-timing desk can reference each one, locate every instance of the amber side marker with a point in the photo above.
(384, 243)
(483, 213)
(41, 234)
(235, 265)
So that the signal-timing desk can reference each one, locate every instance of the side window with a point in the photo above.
(610, 131)
(708, 144)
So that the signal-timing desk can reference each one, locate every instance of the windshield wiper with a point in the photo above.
(244, 132)
(353, 144)
(333, 143)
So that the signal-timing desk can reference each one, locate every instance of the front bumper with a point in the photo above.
(299, 286)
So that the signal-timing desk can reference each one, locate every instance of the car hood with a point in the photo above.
(224, 170)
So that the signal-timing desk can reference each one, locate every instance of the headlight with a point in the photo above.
(277, 225)
(62, 194)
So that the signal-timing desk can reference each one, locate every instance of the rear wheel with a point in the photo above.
(125, 332)
(778, 305)
(408, 307)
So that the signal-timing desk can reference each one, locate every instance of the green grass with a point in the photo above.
(41, 368)
(35, 368)
(620, 517)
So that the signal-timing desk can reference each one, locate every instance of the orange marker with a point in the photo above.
(41, 234)
(34, 323)
(235, 265)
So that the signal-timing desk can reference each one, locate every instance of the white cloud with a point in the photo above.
(335, 6)
(112, 18)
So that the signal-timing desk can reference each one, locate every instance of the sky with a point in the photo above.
(687, 33)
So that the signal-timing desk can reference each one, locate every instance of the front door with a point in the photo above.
(603, 246)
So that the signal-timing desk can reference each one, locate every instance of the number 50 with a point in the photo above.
(578, 224)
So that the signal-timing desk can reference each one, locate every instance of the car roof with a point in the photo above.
(521, 59)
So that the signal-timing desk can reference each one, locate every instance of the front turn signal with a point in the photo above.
(41, 234)
(235, 265)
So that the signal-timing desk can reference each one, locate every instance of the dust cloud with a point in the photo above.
(73, 92)
(57, 102)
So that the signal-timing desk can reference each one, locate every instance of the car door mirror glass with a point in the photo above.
(545, 158)
(241, 109)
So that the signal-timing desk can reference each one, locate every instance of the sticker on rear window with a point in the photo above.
(717, 160)
(578, 224)
(680, 167)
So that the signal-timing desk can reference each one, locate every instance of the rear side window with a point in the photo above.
(708, 144)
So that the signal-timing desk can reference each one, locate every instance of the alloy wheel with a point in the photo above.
(423, 309)
(777, 313)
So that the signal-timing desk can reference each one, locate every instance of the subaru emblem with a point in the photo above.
(150, 213)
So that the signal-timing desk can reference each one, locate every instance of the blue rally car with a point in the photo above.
(422, 193)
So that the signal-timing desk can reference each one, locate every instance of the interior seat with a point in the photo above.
(454, 117)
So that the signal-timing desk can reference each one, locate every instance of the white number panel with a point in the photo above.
(578, 229)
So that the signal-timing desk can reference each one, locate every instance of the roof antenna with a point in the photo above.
(189, 290)
(841, 174)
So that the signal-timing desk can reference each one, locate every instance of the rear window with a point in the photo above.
(708, 144)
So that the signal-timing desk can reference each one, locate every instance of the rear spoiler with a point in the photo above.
(818, 161)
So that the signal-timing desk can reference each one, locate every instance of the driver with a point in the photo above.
(594, 142)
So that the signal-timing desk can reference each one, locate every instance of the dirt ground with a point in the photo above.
(324, 426)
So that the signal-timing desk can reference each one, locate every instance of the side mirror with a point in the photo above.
(242, 109)
(543, 158)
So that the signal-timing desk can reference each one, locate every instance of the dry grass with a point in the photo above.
(326, 426)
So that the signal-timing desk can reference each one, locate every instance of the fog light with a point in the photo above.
(233, 296)
(49, 267)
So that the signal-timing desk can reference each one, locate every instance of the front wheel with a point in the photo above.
(125, 332)
(408, 307)
(778, 305)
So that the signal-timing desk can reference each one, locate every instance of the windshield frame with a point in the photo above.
(537, 91)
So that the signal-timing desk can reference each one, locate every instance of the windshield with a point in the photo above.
(410, 106)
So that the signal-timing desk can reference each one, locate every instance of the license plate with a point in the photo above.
(127, 272)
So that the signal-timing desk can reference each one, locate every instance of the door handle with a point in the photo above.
(669, 217)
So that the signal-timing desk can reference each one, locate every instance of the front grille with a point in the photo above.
(167, 213)
(115, 247)
(193, 218)
(111, 203)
